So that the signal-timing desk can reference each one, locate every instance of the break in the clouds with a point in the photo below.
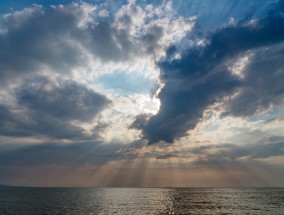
(71, 45)
(93, 92)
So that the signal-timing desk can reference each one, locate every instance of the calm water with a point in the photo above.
(141, 201)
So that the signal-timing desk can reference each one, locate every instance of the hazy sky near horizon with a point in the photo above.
(142, 93)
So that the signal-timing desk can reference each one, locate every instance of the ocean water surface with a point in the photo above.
(141, 201)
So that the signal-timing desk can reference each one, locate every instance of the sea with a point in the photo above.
(134, 201)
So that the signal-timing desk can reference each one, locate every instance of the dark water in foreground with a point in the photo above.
(141, 201)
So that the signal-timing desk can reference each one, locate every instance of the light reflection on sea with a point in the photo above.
(141, 201)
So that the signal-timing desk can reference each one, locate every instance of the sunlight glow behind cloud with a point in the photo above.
(142, 93)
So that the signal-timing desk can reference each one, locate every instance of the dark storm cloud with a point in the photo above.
(201, 77)
(47, 109)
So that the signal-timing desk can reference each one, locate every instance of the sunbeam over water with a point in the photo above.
(141, 107)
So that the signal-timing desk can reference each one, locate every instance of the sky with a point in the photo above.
(142, 93)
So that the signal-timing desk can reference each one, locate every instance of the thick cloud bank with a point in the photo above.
(209, 74)
(49, 110)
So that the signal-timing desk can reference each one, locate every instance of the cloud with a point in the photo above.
(74, 154)
(59, 38)
(65, 37)
(231, 155)
(62, 65)
(224, 154)
(266, 149)
(50, 109)
(73, 42)
(262, 86)
(32, 41)
(65, 100)
(275, 120)
(201, 77)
